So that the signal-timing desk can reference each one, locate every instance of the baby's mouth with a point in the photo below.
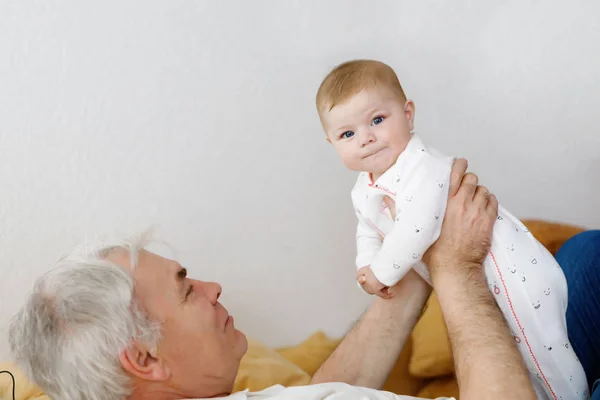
(373, 153)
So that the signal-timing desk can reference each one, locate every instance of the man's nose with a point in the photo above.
(212, 291)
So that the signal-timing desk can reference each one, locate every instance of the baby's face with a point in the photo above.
(370, 130)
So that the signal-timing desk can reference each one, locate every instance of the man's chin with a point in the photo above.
(241, 342)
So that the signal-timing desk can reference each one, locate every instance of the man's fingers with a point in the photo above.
(468, 185)
(459, 167)
(481, 196)
(471, 179)
(492, 206)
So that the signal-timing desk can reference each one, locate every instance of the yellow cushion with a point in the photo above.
(440, 387)
(551, 235)
(432, 354)
(310, 354)
(24, 389)
(262, 367)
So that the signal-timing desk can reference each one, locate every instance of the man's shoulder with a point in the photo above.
(321, 391)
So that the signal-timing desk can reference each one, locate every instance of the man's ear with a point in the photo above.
(409, 112)
(144, 363)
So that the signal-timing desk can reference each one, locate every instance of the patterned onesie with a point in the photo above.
(527, 282)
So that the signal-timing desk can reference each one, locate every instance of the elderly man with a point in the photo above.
(124, 323)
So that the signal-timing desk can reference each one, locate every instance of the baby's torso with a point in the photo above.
(379, 201)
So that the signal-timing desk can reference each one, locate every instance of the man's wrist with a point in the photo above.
(411, 289)
(461, 287)
(455, 270)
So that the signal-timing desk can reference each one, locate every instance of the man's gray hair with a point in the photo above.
(81, 314)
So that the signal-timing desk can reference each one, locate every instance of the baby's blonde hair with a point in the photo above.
(351, 77)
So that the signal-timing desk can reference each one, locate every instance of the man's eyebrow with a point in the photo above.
(180, 277)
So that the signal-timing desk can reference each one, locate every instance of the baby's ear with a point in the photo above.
(409, 110)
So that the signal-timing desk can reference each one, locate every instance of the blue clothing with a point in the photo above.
(579, 258)
(596, 392)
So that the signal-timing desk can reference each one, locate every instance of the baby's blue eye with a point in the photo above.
(347, 134)
(377, 120)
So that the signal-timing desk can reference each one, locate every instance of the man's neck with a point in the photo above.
(149, 393)
(160, 391)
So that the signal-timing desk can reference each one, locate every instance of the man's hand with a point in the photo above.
(370, 284)
(487, 362)
(468, 224)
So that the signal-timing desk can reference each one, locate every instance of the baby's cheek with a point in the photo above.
(352, 162)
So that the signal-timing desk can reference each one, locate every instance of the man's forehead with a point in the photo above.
(156, 278)
(148, 263)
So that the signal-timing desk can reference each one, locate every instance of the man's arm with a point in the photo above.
(488, 364)
(371, 349)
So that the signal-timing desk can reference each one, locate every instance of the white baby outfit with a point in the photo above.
(527, 282)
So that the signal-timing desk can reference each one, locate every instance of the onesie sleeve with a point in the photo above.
(368, 241)
(421, 198)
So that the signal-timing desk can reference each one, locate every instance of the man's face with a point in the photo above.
(198, 334)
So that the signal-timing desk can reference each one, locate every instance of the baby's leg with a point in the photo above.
(531, 291)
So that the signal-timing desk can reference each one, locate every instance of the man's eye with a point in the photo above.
(347, 135)
(377, 120)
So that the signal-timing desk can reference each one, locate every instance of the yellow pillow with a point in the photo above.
(551, 235)
(310, 354)
(440, 387)
(262, 367)
(432, 354)
(24, 389)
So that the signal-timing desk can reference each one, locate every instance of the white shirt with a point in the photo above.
(321, 391)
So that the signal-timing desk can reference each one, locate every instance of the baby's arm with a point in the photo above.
(421, 197)
(368, 244)
(368, 241)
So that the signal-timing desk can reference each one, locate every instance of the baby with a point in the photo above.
(400, 199)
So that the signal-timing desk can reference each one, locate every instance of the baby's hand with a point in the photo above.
(371, 284)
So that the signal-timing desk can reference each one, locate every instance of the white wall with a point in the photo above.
(198, 116)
